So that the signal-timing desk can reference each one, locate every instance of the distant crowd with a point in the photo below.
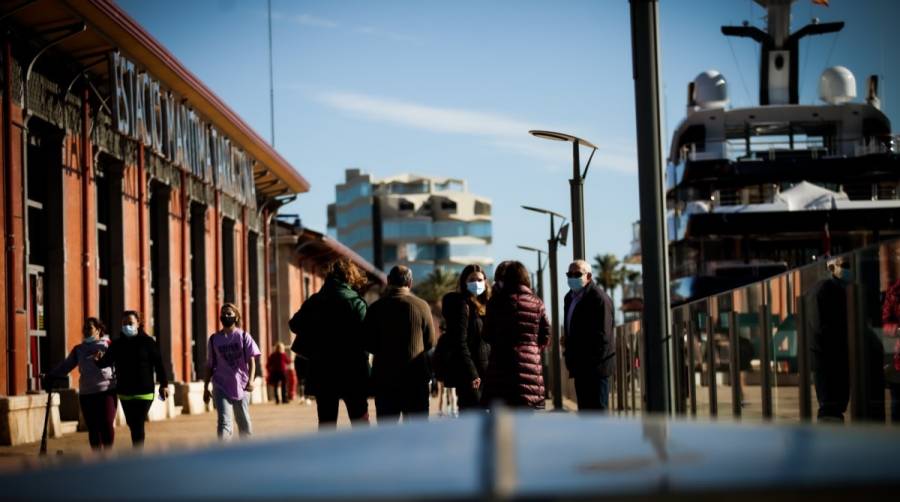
(489, 351)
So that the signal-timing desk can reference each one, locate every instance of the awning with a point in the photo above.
(109, 28)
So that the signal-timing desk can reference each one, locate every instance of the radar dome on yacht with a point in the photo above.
(710, 90)
(837, 85)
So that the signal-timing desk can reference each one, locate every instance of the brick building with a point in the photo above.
(126, 184)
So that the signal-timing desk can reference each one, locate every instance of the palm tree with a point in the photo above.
(610, 273)
(436, 285)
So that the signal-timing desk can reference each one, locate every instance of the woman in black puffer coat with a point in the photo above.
(517, 328)
(463, 351)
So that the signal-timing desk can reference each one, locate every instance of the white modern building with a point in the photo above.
(422, 222)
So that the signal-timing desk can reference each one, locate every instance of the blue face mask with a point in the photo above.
(575, 284)
(475, 287)
(129, 330)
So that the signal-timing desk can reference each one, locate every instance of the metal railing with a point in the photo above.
(754, 353)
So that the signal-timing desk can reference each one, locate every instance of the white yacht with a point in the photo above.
(754, 191)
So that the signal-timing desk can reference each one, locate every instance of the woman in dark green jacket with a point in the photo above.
(330, 335)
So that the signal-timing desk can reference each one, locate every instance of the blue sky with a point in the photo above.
(451, 89)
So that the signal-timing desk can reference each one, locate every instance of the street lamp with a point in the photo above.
(540, 268)
(576, 185)
(556, 238)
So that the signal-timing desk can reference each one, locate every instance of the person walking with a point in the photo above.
(96, 386)
(330, 336)
(399, 331)
(589, 348)
(517, 329)
(464, 354)
(136, 358)
(231, 366)
(277, 370)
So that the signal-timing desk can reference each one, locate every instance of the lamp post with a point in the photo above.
(540, 268)
(556, 238)
(576, 185)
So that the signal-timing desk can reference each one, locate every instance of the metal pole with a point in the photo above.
(803, 364)
(766, 361)
(711, 379)
(271, 80)
(645, 52)
(554, 305)
(734, 371)
(576, 186)
(540, 277)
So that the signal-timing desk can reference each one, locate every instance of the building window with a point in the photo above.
(482, 208)
(448, 205)
(405, 205)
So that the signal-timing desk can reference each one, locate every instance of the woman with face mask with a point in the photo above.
(462, 351)
(136, 357)
(231, 366)
(96, 386)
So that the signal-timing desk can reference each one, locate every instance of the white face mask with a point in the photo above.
(475, 287)
(129, 330)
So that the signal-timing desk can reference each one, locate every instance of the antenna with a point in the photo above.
(271, 81)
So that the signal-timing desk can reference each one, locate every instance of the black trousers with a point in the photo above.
(327, 403)
(592, 392)
(402, 397)
(136, 416)
(279, 381)
(832, 392)
(468, 398)
(99, 412)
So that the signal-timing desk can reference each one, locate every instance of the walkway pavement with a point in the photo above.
(184, 432)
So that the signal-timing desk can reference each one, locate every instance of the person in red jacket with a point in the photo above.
(517, 329)
(276, 367)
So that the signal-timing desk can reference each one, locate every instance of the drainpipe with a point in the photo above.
(142, 231)
(8, 219)
(185, 280)
(86, 168)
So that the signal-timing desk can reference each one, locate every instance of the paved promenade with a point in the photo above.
(186, 431)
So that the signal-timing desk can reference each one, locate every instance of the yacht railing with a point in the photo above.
(748, 354)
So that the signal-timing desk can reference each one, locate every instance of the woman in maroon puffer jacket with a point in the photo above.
(516, 326)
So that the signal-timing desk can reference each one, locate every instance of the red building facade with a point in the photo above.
(126, 184)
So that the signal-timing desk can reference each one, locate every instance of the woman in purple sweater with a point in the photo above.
(96, 386)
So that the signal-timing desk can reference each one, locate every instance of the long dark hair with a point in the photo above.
(516, 274)
(96, 324)
(481, 300)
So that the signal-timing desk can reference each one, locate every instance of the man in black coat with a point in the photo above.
(589, 348)
(826, 323)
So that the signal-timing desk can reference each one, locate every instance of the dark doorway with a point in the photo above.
(45, 250)
(110, 249)
(228, 266)
(160, 272)
(198, 288)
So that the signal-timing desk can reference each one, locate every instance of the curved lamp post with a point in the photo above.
(576, 185)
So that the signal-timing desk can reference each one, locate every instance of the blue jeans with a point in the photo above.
(225, 408)
(592, 391)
